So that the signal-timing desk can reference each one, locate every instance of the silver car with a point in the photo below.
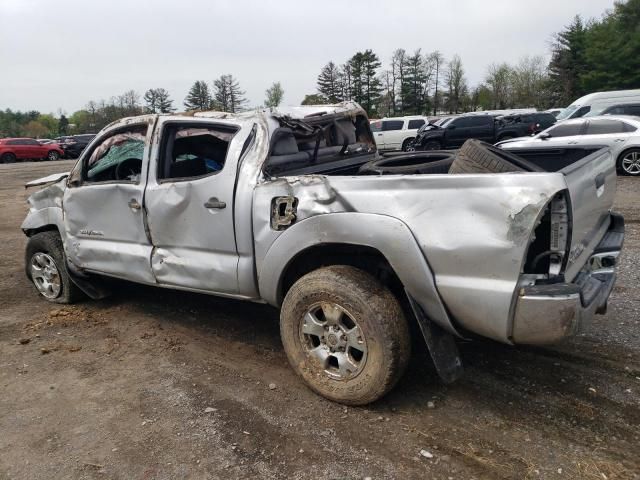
(620, 133)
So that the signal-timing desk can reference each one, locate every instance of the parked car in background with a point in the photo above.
(554, 111)
(12, 149)
(396, 133)
(453, 132)
(620, 133)
(597, 103)
(622, 109)
(74, 145)
(45, 141)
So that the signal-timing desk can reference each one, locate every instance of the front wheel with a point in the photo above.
(53, 156)
(407, 145)
(629, 162)
(345, 334)
(46, 268)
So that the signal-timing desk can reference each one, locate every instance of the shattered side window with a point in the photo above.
(118, 157)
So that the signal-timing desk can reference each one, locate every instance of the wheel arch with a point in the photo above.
(43, 220)
(381, 245)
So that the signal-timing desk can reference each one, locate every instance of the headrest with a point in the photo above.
(283, 142)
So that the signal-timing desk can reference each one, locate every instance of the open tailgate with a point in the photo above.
(592, 188)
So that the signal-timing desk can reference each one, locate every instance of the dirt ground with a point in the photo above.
(157, 384)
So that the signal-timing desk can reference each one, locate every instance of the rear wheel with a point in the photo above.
(629, 162)
(46, 267)
(8, 158)
(345, 334)
(53, 155)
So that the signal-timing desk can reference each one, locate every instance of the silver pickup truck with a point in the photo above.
(279, 206)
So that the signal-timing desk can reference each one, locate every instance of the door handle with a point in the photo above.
(133, 204)
(600, 179)
(213, 202)
(619, 140)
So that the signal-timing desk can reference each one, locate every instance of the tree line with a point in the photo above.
(586, 56)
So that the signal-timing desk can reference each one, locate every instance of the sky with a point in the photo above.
(59, 54)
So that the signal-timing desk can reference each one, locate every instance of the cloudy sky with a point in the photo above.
(63, 53)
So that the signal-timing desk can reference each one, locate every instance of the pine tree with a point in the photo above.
(329, 83)
(228, 96)
(412, 87)
(198, 97)
(158, 101)
(365, 84)
(568, 62)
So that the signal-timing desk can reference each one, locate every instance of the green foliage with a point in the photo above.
(313, 99)
(330, 83)
(599, 56)
(227, 95)
(157, 101)
(199, 97)
(274, 95)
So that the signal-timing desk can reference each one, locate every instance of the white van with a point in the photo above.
(595, 103)
(396, 133)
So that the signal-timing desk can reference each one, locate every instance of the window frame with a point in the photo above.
(164, 138)
(401, 122)
(582, 126)
(599, 121)
(84, 159)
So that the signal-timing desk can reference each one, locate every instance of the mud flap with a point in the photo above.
(441, 344)
(94, 288)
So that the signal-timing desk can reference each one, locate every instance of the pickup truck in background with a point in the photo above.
(485, 127)
(277, 206)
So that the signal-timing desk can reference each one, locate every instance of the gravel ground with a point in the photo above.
(157, 384)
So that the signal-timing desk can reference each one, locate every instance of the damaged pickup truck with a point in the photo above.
(280, 206)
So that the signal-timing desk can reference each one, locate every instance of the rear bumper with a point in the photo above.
(548, 313)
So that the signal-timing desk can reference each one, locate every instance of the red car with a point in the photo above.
(12, 149)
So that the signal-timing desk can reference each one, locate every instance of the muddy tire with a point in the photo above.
(476, 156)
(45, 266)
(345, 334)
(409, 164)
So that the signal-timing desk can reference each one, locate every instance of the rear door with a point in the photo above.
(610, 132)
(392, 133)
(189, 202)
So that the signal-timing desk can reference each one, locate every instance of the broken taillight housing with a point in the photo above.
(546, 256)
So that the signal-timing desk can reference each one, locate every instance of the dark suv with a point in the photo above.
(75, 144)
(488, 128)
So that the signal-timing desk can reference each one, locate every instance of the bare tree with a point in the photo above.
(456, 84)
(499, 81)
(437, 59)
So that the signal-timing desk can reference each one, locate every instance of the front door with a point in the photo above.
(104, 224)
(189, 204)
